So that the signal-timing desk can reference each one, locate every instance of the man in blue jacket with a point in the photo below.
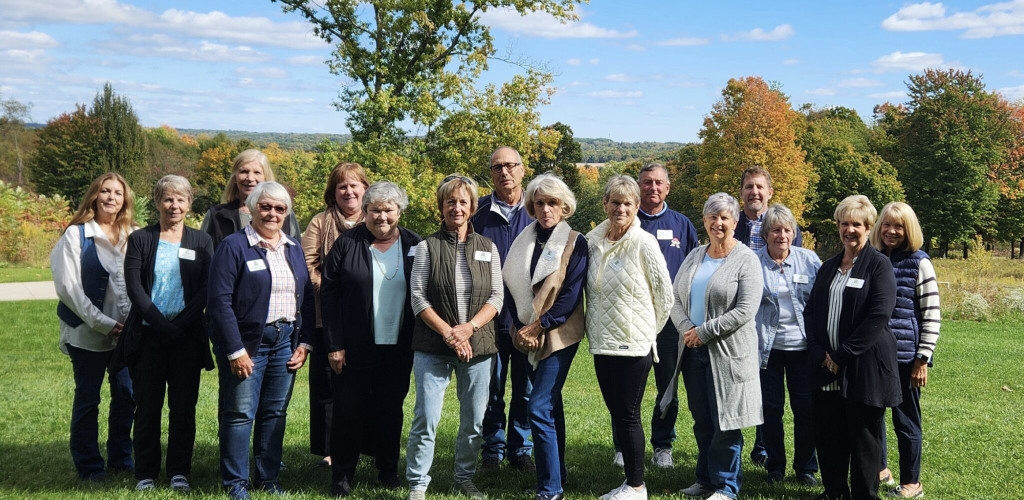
(501, 216)
(676, 236)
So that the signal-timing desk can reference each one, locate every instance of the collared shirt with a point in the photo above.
(282, 289)
(507, 210)
(798, 271)
(754, 230)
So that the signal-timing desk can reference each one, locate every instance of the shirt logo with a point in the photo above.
(675, 243)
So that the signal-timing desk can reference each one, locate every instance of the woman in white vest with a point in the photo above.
(544, 272)
(629, 295)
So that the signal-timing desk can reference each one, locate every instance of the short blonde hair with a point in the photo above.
(902, 214)
(550, 185)
(243, 158)
(856, 207)
(453, 183)
(172, 184)
(622, 185)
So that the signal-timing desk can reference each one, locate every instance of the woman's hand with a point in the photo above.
(461, 332)
(298, 358)
(919, 373)
(528, 336)
(691, 339)
(336, 360)
(242, 366)
(117, 330)
(830, 365)
(464, 351)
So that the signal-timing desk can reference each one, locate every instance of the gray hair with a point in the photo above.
(722, 202)
(777, 214)
(549, 184)
(172, 184)
(650, 167)
(385, 192)
(270, 190)
(622, 185)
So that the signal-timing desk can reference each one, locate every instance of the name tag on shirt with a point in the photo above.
(412, 251)
(186, 254)
(615, 264)
(256, 265)
(800, 278)
(481, 255)
(548, 254)
(855, 283)
(664, 234)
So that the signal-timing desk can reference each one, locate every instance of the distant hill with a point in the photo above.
(287, 140)
(606, 150)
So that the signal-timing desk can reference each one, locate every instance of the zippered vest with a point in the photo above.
(94, 280)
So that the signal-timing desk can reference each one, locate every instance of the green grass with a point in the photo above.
(973, 439)
(23, 274)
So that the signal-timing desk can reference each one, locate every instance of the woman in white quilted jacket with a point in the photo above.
(629, 296)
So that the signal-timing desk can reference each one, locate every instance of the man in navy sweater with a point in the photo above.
(676, 236)
(501, 216)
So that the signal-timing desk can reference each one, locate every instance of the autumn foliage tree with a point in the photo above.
(753, 124)
(68, 156)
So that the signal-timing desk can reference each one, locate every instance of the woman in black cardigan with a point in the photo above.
(369, 339)
(166, 269)
(853, 354)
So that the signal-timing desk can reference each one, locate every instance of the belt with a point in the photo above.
(278, 323)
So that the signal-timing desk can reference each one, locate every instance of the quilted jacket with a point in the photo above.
(629, 292)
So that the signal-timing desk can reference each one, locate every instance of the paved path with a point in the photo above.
(32, 290)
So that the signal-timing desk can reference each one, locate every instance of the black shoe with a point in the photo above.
(807, 479)
(490, 463)
(774, 477)
(341, 488)
(550, 496)
(523, 463)
(273, 488)
(391, 482)
(759, 460)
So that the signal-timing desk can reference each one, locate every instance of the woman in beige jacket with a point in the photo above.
(344, 199)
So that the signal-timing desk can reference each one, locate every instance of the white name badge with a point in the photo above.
(855, 283)
(256, 265)
(664, 234)
(548, 254)
(412, 251)
(481, 255)
(800, 278)
(186, 254)
(615, 264)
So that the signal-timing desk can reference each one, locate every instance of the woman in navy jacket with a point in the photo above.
(853, 355)
(259, 292)
(165, 344)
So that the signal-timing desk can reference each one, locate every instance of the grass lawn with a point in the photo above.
(23, 274)
(973, 428)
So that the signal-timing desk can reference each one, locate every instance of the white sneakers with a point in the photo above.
(626, 492)
(662, 458)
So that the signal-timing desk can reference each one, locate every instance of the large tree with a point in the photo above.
(753, 124)
(563, 157)
(406, 59)
(122, 142)
(68, 156)
(13, 114)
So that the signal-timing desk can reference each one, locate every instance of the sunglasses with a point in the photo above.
(267, 207)
(453, 177)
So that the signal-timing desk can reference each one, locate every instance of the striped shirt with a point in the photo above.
(282, 288)
(928, 304)
(420, 278)
(835, 310)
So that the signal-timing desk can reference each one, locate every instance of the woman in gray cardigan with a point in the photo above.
(718, 290)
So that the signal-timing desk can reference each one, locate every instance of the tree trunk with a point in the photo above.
(17, 149)
(1021, 252)
(965, 250)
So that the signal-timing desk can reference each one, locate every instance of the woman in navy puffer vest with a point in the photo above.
(915, 323)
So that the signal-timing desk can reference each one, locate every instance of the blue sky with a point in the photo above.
(629, 71)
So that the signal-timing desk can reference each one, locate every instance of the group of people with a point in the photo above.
(503, 290)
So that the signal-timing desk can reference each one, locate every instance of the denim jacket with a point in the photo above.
(800, 268)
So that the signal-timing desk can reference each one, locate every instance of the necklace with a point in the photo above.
(383, 268)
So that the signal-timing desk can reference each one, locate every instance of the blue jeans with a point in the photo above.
(906, 420)
(793, 366)
(502, 437)
(718, 451)
(433, 373)
(89, 368)
(547, 418)
(262, 397)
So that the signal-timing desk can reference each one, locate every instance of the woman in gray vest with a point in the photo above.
(915, 323)
(88, 274)
(456, 291)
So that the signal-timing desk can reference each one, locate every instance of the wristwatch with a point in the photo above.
(474, 325)
(922, 357)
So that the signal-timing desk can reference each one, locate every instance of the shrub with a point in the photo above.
(29, 225)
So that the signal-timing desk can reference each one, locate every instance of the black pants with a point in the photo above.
(848, 441)
(321, 398)
(663, 425)
(623, 380)
(176, 368)
(906, 422)
(369, 414)
(788, 369)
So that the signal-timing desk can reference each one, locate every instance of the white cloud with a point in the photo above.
(574, 61)
(307, 60)
(780, 32)
(544, 25)
(618, 77)
(159, 45)
(15, 56)
(791, 62)
(908, 61)
(616, 94)
(860, 83)
(821, 91)
(29, 40)
(893, 94)
(683, 42)
(593, 60)
(1013, 93)
(997, 19)
(76, 11)
(268, 72)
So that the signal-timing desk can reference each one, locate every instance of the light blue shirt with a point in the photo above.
(389, 291)
(698, 288)
(798, 272)
(168, 295)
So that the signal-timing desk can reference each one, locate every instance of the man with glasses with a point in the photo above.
(501, 217)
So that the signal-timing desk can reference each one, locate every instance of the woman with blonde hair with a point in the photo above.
(344, 199)
(88, 275)
(249, 168)
(915, 323)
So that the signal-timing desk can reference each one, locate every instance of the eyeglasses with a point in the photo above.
(498, 167)
(267, 207)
